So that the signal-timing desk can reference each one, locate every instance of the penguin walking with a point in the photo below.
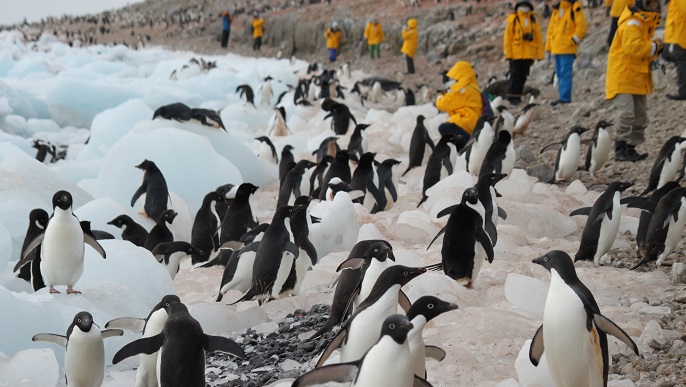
(154, 187)
(205, 230)
(340, 118)
(666, 164)
(420, 139)
(465, 244)
(529, 114)
(171, 253)
(496, 159)
(387, 363)
(574, 333)
(646, 216)
(439, 164)
(61, 246)
(146, 375)
(568, 155)
(307, 256)
(358, 140)
(485, 188)
(160, 233)
(207, 117)
(182, 346)
(239, 217)
(361, 331)
(130, 230)
(84, 360)
(295, 184)
(30, 272)
(366, 180)
(602, 224)
(248, 92)
(666, 227)
(599, 150)
(421, 312)
(388, 181)
(479, 144)
(286, 158)
(175, 111)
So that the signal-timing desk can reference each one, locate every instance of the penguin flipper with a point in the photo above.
(111, 333)
(292, 248)
(51, 338)
(643, 205)
(404, 301)
(581, 211)
(485, 241)
(341, 373)
(380, 199)
(434, 352)
(448, 165)
(419, 382)
(436, 237)
(502, 214)
(94, 244)
(146, 345)
(26, 254)
(407, 170)
(132, 324)
(446, 211)
(607, 326)
(545, 148)
(335, 343)
(311, 251)
(428, 140)
(537, 348)
(222, 344)
(140, 191)
(351, 263)
(491, 232)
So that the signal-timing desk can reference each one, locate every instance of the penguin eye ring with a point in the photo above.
(391, 326)
(376, 250)
(430, 306)
(405, 273)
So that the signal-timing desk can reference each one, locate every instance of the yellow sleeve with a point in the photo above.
(538, 39)
(580, 20)
(447, 102)
(407, 33)
(681, 5)
(507, 37)
(633, 42)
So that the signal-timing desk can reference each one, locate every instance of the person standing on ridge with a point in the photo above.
(410, 37)
(333, 40)
(257, 25)
(374, 35)
(522, 44)
(227, 19)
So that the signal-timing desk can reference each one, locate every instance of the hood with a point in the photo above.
(524, 6)
(412, 23)
(463, 74)
(652, 18)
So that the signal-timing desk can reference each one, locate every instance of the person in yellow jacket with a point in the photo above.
(410, 37)
(257, 25)
(333, 40)
(628, 80)
(675, 39)
(463, 103)
(522, 44)
(566, 30)
(374, 35)
(616, 8)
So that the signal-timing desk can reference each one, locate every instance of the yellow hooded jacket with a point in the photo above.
(617, 6)
(333, 38)
(566, 22)
(374, 33)
(257, 27)
(411, 37)
(675, 28)
(463, 102)
(520, 23)
(632, 50)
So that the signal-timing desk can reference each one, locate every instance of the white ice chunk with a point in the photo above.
(526, 293)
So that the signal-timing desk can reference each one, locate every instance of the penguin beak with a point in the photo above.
(406, 326)
(543, 261)
(198, 251)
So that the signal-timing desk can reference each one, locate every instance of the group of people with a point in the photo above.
(256, 24)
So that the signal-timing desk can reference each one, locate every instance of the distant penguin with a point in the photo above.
(318, 174)
(295, 184)
(528, 114)
(438, 166)
(602, 224)
(421, 312)
(409, 96)
(388, 182)
(361, 331)
(30, 272)
(574, 328)
(358, 140)
(599, 149)
(479, 144)
(238, 269)
(568, 155)
(171, 253)
(182, 346)
(207, 117)
(130, 230)
(337, 185)
(248, 92)
(286, 158)
(495, 160)
(366, 180)
(420, 139)
(666, 164)
(239, 217)
(151, 326)
(279, 128)
(340, 118)
(485, 187)
(375, 93)
(267, 151)
(175, 111)
(266, 91)
(160, 232)
(339, 168)
(666, 227)
(328, 146)
(154, 187)
(62, 246)
(465, 244)
(205, 230)
(308, 257)
(646, 216)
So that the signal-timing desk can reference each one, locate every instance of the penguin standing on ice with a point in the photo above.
(599, 150)
(421, 312)
(358, 140)
(494, 161)
(340, 118)
(479, 144)
(266, 91)
(420, 139)
(239, 217)
(439, 164)
(308, 253)
(485, 187)
(205, 231)
(568, 155)
(267, 151)
(30, 272)
(286, 158)
(154, 187)
(130, 230)
(248, 92)
(574, 333)
(666, 164)
(171, 253)
(340, 168)
(295, 184)
(318, 174)
(222, 206)
(366, 180)
(160, 233)
(328, 146)
(388, 181)
(84, 360)
(279, 128)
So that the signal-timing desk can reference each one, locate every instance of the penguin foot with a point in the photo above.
(72, 291)
(54, 291)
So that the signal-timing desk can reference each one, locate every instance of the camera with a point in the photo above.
(528, 37)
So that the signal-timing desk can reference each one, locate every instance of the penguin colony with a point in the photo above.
(269, 261)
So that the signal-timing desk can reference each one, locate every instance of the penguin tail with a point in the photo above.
(424, 197)
(407, 170)
(219, 297)
(249, 295)
(640, 263)
(434, 267)
(328, 325)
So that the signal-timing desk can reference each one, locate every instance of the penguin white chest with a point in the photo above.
(174, 263)
(569, 158)
(676, 229)
(387, 364)
(84, 361)
(479, 149)
(600, 151)
(372, 273)
(509, 162)
(670, 166)
(62, 249)
(608, 230)
(573, 353)
(417, 347)
(147, 369)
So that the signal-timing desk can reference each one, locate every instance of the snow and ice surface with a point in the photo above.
(107, 95)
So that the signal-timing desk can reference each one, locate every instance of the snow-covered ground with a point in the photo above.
(107, 95)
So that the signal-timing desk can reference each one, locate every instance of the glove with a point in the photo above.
(576, 40)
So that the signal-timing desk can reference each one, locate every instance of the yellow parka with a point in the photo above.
(333, 38)
(374, 33)
(520, 25)
(632, 50)
(567, 21)
(675, 28)
(257, 27)
(617, 6)
(463, 102)
(411, 37)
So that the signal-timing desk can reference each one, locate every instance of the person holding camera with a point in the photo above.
(522, 44)
(628, 80)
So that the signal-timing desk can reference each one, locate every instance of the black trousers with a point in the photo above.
(257, 44)
(225, 38)
(613, 30)
(410, 64)
(519, 70)
(677, 55)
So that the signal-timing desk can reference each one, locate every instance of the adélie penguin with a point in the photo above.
(30, 272)
(205, 230)
(485, 188)
(420, 139)
(366, 180)
(84, 360)
(182, 345)
(387, 172)
(644, 219)
(130, 230)
(439, 164)
(599, 149)
(300, 227)
(267, 151)
(239, 217)
(146, 376)
(160, 233)
(171, 253)
(295, 184)
(358, 140)
(574, 333)
(154, 187)
(496, 159)
(62, 246)
(480, 142)
(286, 158)
(340, 118)
(387, 363)
(361, 331)
(568, 155)
(666, 164)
